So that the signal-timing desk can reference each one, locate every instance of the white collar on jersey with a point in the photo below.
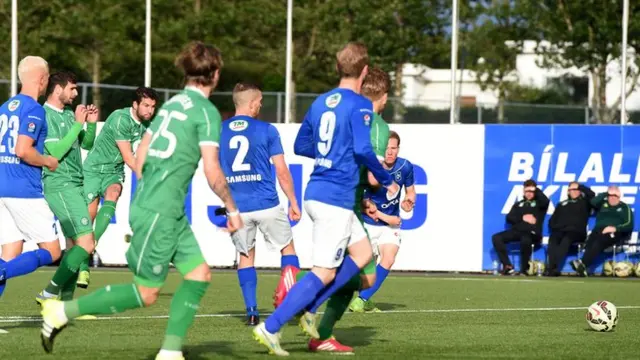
(193, 88)
(53, 107)
(133, 116)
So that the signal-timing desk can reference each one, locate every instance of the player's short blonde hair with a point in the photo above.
(352, 59)
(243, 93)
(199, 62)
(376, 84)
(29, 64)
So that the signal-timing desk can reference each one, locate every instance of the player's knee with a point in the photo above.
(361, 253)
(56, 253)
(495, 239)
(288, 250)
(325, 275)
(367, 281)
(113, 192)
(148, 295)
(387, 261)
(201, 273)
(87, 242)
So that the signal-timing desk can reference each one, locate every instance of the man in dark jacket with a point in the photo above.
(526, 218)
(614, 223)
(568, 225)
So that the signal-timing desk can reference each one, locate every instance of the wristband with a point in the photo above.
(233, 213)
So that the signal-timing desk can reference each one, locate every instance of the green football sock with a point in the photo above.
(106, 212)
(108, 300)
(300, 275)
(68, 289)
(337, 306)
(85, 265)
(68, 268)
(184, 305)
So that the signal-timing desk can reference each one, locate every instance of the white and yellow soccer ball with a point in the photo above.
(623, 269)
(637, 269)
(607, 268)
(602, 316)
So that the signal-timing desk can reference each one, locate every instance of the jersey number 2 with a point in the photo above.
(325, 133)
(164, 132)
(242, 144)
(10, 125)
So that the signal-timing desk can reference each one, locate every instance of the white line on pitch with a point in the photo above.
(11, 319)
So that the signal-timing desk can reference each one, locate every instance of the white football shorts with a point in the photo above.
(381, 235)
(273, 223)
(26, 219)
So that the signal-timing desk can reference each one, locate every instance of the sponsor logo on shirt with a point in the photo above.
(31, 127)
(14, 105)
(367, 119)
(238, 125)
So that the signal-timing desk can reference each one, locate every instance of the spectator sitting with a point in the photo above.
(568, 225)
(526, 218)
(614, 223)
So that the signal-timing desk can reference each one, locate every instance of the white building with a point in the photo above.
(424, 86)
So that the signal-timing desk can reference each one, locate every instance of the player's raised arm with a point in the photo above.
(410, 190)
(57, 147)
(28, 132)
(303, 145)
(88, 136)
(127, 154)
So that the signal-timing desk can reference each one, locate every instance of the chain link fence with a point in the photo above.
(112, 97)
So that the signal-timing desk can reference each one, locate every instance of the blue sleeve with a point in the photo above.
(275, 145)
(360, 122)
(408, 176)
(303, 145)
(32, 122)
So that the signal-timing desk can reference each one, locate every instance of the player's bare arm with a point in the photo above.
(27, 153)
(286, 183)
(389, 219)
(127, 153)
(143, 148)
(409, 198)
(218, 183)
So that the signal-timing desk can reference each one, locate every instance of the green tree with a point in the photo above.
(586, 35)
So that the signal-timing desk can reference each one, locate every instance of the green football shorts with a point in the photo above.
(71, 210)
(96, 184)
(157, 241)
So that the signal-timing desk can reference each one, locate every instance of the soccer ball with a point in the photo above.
(637, 269)
(607, 268)
(623, 269)
(602, 316)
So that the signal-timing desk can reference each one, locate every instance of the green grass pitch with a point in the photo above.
(425, 317)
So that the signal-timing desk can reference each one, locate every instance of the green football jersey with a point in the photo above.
(105, 157)
(69, 171)
(183, 123)
(379, 141)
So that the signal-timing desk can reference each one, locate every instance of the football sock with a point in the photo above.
(85, 265)
(300, 295)
(3, 283)
(350, 287)
(68, 268)
(248, 283)
(23, 264)
(336, 307)
(345, 272)
(287, 260)
(67, 290)
(182, 312)
(106, 212)
(381, 274)
(108, 300)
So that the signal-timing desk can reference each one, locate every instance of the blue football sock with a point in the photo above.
(381, 274)
(3, 283)
(26, 263)
(300, 295)
(248, 279)
(345, 272)
(287, 260)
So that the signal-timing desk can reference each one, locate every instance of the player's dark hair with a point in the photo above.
(394, 135)
(352, 59)
(145, 93)
(60, 78)
(199, 62)
(240, 88)
(376, 84)
(530, 182)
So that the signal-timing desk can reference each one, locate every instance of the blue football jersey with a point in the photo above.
(402, 173)
(336, 133)
(20, 115)
(246, 147)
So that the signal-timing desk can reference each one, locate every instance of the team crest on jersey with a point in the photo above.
(333, 100)
(157, 270)
(367, 119)
(84, 221)
(90, 195)
(398, 176)
(31, 127)
(14, 105)
(238, 125)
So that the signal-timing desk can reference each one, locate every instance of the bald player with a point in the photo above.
(24, 213)
(248, 146)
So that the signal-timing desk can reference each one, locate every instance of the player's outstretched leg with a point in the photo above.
(363, 302)
(23, 264)
(111, 299)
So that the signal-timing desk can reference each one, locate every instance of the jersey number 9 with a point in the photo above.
(325, 133)
(164, 132)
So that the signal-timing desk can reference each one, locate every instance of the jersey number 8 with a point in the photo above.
(325, 133)
(10, 125)
(164, 132)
